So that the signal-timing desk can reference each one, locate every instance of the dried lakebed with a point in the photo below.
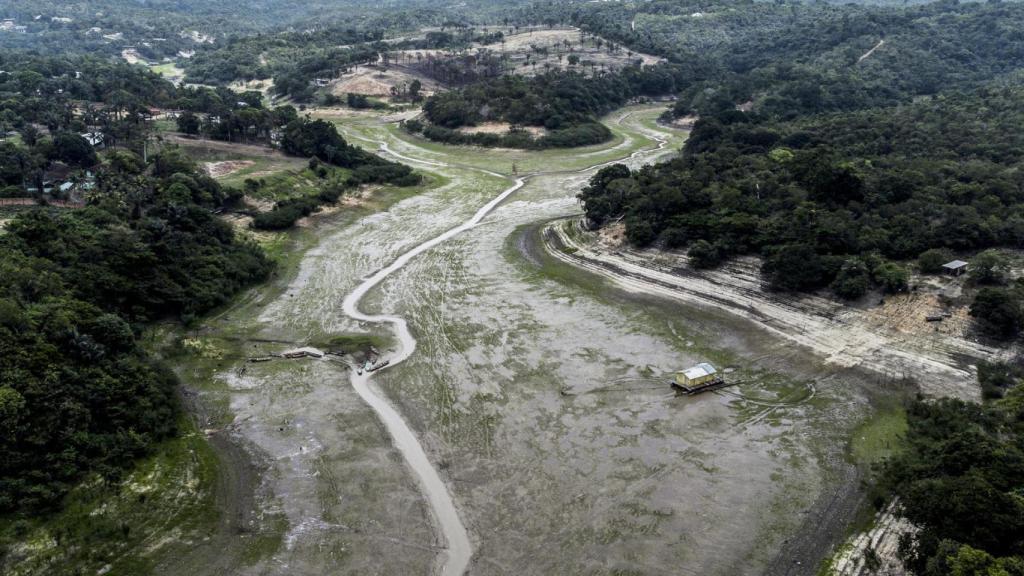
(535, 394)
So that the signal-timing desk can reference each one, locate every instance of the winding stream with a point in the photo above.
(459, 547)
(497, 353)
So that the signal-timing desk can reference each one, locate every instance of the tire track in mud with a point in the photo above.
(459, 549)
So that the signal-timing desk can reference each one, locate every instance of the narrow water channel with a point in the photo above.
(459, 548)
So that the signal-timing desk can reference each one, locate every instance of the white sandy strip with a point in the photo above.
(830, 329)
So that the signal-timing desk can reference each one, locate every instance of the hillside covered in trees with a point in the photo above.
(141, 243)
(77, 393)
(832, 192)
(567, 104)
(838, 165)
(959, 480)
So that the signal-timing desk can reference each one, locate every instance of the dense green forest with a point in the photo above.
(828, 197)
(567, 104)
(838, 165)
(77, 394)
(959, 479)
(804, 58)
(165, 29)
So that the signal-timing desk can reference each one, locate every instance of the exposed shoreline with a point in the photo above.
(940, 365)
(826, 522)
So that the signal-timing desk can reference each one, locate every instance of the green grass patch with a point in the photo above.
(352, 343)
(285, 183)
(165, 125)
(880, 436)
(551, 268)
(167, 69)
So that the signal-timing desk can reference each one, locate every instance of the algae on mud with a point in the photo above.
(541, 404)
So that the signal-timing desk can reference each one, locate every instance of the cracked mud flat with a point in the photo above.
(541, 402)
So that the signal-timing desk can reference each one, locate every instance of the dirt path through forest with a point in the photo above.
(872, 51)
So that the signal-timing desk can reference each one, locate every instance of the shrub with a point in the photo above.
(999, 310)
(931, 261)
(853, 279)
(989, 267)
(891, 276)
(795, 267)
(704, 254)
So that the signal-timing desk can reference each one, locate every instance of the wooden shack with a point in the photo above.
(701, 377)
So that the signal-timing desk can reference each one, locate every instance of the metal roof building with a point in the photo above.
(699, 371)
(698, 375)
(956, 267)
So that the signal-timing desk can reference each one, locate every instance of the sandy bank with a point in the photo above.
(942, 364)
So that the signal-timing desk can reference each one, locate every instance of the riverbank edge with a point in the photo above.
(836, 515)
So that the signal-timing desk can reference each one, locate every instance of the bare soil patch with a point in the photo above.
(552, 38)
(612, 236)
(220, 146)
(225, 167)
(263, 86)
(555, 42)
(685, 122)
(378, 82)
(501, 128)
(883, 539)
(872, 51)
(909, 313)
(131, 56)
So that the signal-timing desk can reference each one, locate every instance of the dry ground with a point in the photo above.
(221, 146)
(501, 128)
(225, 167)
(519, 45)
(378, 81)
(262, 86)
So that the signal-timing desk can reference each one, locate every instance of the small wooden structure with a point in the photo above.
(956, 267)
(375, 367)
(699, 378)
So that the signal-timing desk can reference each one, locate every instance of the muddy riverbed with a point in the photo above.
(537, 393)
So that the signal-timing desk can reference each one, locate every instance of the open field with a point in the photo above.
(233, 163)
(537, 50)
(550, 49)
(379, 81)
(169, 70)
(526, 53)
